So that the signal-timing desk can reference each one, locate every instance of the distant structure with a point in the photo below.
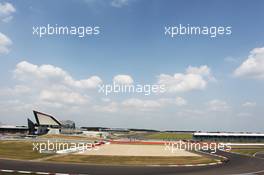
(68, 127)
(68, 124)
(31, 127)
(16, 130)
(229, 136)
(46, 124)
(180, 132)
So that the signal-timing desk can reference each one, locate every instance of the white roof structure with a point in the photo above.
(45, 119)
(229, 134)
(12, 127)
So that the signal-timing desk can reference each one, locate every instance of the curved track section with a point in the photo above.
(259, 154)
(237, 164)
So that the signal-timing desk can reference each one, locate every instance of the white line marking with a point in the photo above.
(174, 165)
(260, 152)
(41, 173)
(24, 172)
(189, 165)
(8, 171)
(256, 172)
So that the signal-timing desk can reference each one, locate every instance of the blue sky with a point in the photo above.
(132, 43)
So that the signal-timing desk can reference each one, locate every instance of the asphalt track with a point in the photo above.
(237, 164)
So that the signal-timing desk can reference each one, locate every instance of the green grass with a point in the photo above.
(247, 149)
(250, 152)
(173, 136)
(131, 160)
(19, 150)
(67, 137)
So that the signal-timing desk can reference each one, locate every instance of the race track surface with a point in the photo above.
(237, 164)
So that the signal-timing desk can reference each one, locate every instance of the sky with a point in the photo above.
(214, 84)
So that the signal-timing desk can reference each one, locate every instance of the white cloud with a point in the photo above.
(6, 11)
(5, 42)
(7, 19)
(62, 97)
(202, 70)
(144, 105)
(178, 101)
(17, 90)
(51, 86)
(6, 8)
(249, 104)
(123, 79)
(27, 71)
(194, 78)
(12, 105)
(111, 107)
(105, 100)
(244, 114)
(149, 105)
(119, 3)
(191, 113)
(138, 104)
(91, 82)
(21, 89)
(218, 105)
(253, 66)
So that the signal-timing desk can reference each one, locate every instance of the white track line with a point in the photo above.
(24, 172)
(31, 172)
(8, 171)
(250, 173)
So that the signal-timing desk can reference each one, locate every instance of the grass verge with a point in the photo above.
(131, 160)
(67, 137)
(249, 152)
(175, 136)
(19, 150)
